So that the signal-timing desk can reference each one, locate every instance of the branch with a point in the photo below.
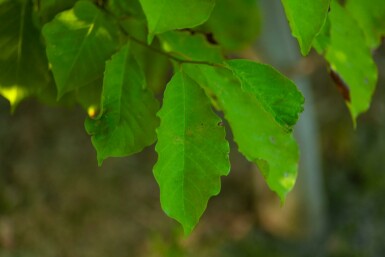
(170, 56)
(156, 50)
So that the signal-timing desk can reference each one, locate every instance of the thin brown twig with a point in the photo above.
(159, 51)
(170, 56)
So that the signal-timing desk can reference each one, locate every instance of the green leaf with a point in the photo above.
(235, 23)
(79, 41)
(165, 15)
(259, 136)
(350, 57)
(190, 47)
(306, 19)
(127, 121)
(88, 96)
(277, 94)
(370, 15)
(48, 97)
(23, 64)
(322, 41)
(156, 66)
(126, 8)
(192, 152)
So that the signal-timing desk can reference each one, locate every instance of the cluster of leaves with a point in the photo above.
(112, 57)
(345, 34)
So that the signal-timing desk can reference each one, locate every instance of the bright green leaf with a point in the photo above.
(23, 64)
(258, 135)
(165, 15)
(79, 41)
(235, 23)
(192, 150)
(306, 19)
(350, 57)
(127, 121)
(190, 47)
(276, 93)
(322, 41)
(370, 15)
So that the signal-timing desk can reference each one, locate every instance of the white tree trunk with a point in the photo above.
(303, 215)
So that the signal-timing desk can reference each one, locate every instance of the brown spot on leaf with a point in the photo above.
(210, 38)
(342, 87)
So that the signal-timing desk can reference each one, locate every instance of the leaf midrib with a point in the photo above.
(75, 60)
(158, 18)
(122, 79)
(21, 41)
(184, 142)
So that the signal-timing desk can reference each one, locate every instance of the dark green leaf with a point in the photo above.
(49, 8)
(79, 41)
(235, 23)
(126, 8)
(155, 65)
(88, 96)
(23, 64)
(193, 152)
(127, 121)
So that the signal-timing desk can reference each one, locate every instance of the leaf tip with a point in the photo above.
(354, 117)
(354, 113)
(100, 160)
(150, 38)
(14, 95)
(187, 229)
(59, 95)
(305, 50)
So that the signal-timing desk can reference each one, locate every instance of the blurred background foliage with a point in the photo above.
(55, 201)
